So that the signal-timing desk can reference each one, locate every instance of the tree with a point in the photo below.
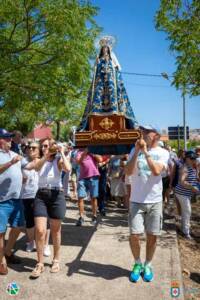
(45, 48)
(180, 19)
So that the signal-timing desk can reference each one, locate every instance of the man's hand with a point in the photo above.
(15, 159)
(137, 146)
(141, 145)
(61, 149)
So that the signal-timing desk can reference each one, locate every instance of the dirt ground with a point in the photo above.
(190, 255)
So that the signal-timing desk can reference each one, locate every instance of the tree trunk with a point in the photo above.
(57, 130)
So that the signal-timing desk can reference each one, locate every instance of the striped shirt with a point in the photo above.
(191, 179)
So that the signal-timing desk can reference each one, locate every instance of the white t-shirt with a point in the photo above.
(30, 187)
(50, 175)
(146, 187)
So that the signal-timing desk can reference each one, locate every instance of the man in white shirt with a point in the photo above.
(11, 208)
(146, 165)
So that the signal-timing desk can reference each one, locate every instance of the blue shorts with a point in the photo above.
(11, 212)
(88, 185)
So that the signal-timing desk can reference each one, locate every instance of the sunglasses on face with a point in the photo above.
(32, 147)
(45, 146)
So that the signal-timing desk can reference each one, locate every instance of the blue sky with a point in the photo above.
(142, 49)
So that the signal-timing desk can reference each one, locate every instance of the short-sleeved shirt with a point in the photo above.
(88, 166)
(146, 187)
(11, 179)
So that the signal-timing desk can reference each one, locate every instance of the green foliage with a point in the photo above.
(180, 19)
(45, 48)
(191, 144)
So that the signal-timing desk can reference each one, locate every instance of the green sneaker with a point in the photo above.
(136, 272)
(148, 274)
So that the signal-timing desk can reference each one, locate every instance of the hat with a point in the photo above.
(150, 128)
(190, 154)
(5, 134)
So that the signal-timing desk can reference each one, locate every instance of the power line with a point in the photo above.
(146, 85)
(163, 75)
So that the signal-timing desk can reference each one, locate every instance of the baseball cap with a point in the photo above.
(151, 128)
(5, 134)
(190, 154)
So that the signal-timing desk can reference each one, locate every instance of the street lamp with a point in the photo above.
(165, 76)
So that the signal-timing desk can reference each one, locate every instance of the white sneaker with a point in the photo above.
(47, 251)
(30, 246)
(188, 236)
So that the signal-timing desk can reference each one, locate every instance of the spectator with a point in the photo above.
(197, 151)
(17, 142)
(117, 184)
(103, 168)
(49, 202)
(145, 166)
(174, 178)
(166, 174)
(188, 184)
(74, 173)
(28, 192)
(88, 183)
(11, 209)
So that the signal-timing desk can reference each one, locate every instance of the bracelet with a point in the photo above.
(147, 155)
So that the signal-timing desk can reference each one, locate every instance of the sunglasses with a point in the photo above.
(45, 146)
(32, 147)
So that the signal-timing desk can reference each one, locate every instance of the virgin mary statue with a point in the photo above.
(107, 94)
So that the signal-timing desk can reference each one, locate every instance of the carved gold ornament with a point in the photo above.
(104, 136)
(106, 123)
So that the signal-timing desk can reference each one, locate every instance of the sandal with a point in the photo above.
(55, 268)
(3, 269)
(37, 271)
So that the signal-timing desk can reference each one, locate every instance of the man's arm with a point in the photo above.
(64, 162)
(98, 158)
(7, 165)
(155, 167)
(36, 164)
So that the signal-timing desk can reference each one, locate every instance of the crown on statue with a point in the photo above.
(108, 41)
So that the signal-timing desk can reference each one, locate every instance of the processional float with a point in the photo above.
(108, 124)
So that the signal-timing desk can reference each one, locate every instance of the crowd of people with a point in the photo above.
(37, 177)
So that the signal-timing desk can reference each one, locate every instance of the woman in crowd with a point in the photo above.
(117, 184)
(50, 202)
(187, 186)
(28, 192)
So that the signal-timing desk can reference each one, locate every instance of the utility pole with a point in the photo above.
(178, 137)
(184, 123)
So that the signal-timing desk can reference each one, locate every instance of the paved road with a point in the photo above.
(96, 262)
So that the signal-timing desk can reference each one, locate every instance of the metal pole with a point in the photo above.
(184, 124)
(178, 137)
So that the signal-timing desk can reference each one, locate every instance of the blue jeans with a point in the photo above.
(88, 185)
(11, 211)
